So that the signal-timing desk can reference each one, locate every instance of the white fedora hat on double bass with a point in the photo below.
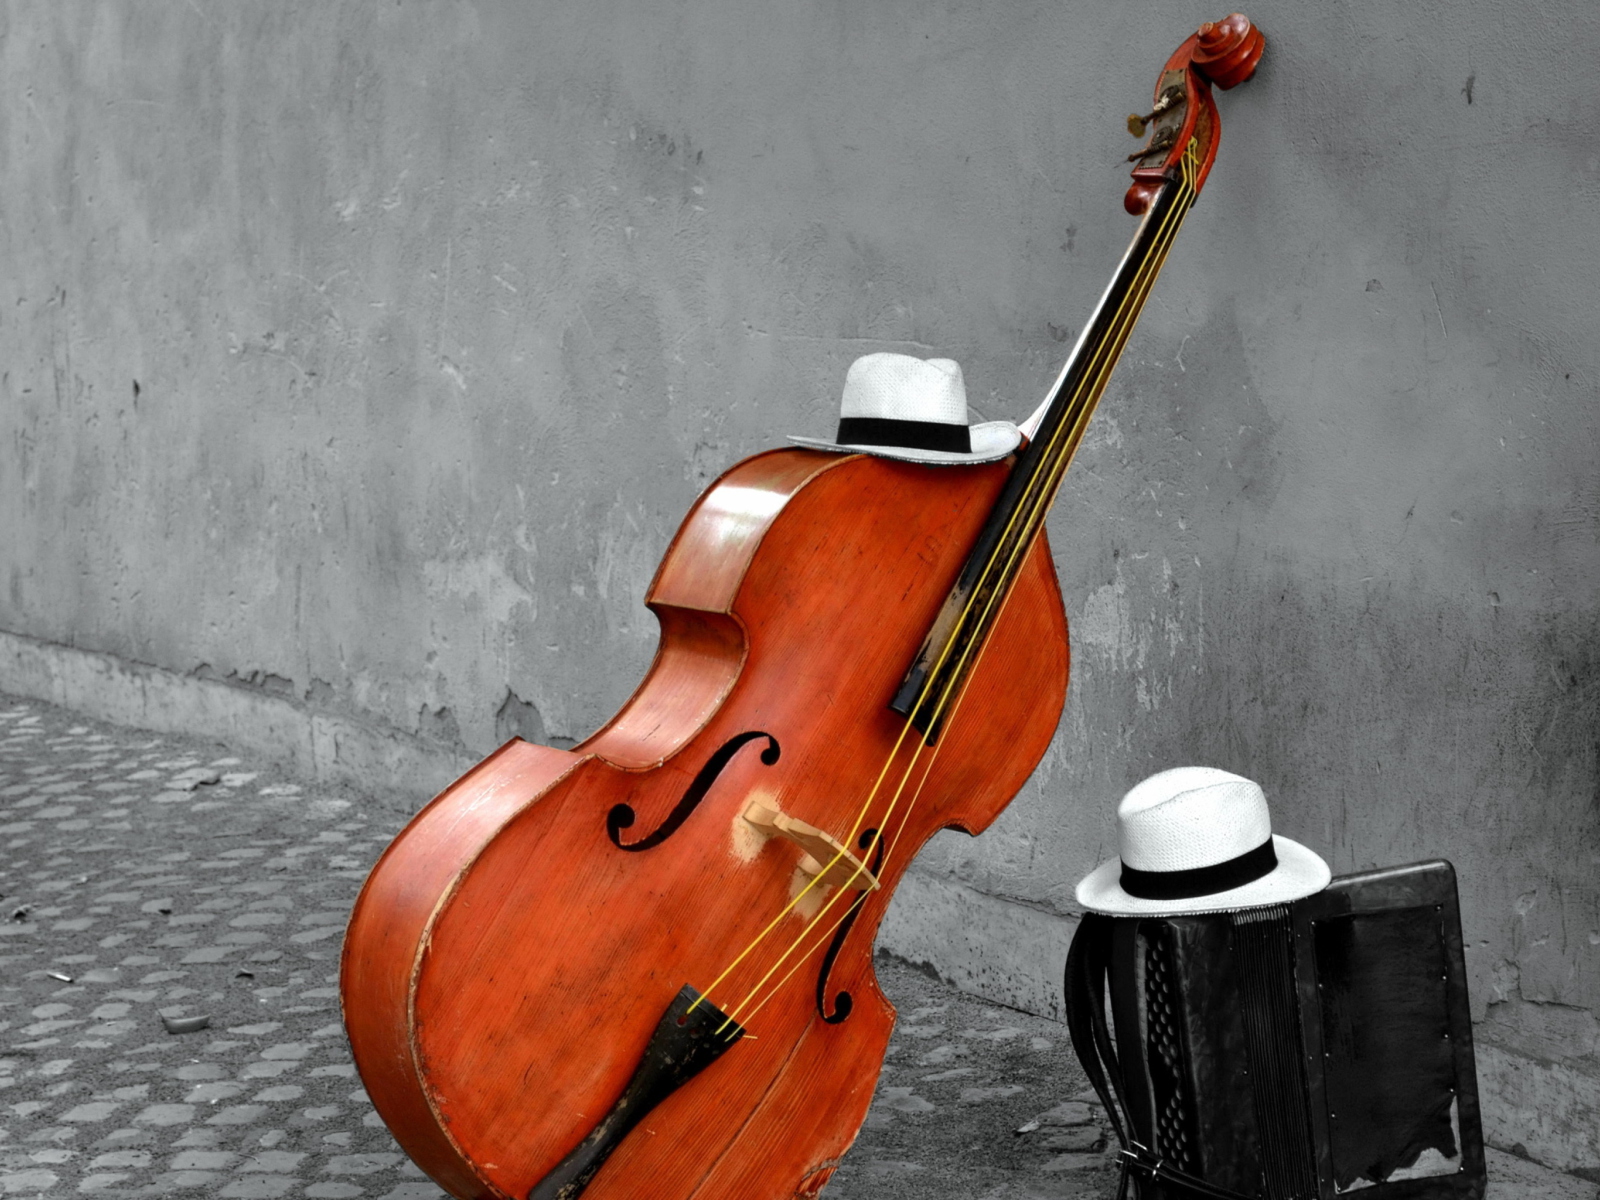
(914, 410)
(1198, 840)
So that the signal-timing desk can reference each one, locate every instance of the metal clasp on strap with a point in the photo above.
(1139, 1158)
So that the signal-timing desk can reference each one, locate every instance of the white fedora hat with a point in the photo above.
(914, 410)
(1198, 840)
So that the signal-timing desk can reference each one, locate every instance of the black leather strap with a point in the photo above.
(1088, 961)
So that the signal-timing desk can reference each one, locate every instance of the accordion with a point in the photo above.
(1300, 1051)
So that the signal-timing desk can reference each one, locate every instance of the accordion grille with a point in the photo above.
(1263, 953)
(1165, 1058)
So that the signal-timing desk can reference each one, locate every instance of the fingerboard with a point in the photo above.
(929, 690)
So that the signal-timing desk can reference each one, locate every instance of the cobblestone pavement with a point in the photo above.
(961, 1078)
(144, 879)
(147, 883)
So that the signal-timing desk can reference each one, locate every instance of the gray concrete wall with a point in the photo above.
(357, 363)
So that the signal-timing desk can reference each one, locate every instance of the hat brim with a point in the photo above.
(1299, 873)
(991, 441)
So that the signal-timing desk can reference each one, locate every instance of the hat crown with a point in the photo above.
(912, 410)
(899, 387)
(1191, 817)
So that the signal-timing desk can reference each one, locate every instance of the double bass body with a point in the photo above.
(509, 963)
(515, 947)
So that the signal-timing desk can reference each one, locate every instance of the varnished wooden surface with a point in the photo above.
(389, 925)
(532, 958)
(1223, 53)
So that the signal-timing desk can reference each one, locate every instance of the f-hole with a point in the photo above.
(842, 1002)
(622, 816)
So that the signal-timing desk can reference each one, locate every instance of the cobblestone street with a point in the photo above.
(144, 884)
(149, 886)
(170, 921)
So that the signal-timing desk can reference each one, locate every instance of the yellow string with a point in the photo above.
(1126, 312)
(892, 842)
(1100, 367)
(1030, 514)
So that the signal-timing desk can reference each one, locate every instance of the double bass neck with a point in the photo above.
(1169, 172)
(932, 684)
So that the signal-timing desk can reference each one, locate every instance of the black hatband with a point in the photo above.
(915, 435)
(1201, 881)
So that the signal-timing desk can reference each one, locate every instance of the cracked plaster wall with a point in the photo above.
(369, 356)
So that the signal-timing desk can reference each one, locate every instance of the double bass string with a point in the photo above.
(800, 959)
(1102, 366)
(1100, 369)
(1072, 431)
(1100, 372)
(828, 933)
(1068, 433)
(705, 993)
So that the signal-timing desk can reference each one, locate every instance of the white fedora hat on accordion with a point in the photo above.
(914, 410)
(1198, 840)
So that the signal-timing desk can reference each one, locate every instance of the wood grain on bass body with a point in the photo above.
(509, 997)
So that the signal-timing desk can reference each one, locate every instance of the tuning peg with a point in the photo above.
(1163, 140)
(1137, 124)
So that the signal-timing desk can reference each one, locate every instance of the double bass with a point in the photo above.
(641, 968)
